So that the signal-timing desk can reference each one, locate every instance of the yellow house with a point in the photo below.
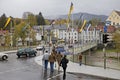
(114, 18)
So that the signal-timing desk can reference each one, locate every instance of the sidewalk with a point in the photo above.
(89, 70)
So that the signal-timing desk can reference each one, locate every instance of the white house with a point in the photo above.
(72, 35)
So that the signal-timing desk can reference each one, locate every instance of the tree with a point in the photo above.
(3, 19)
(7, 39)
(17, 21)
(61, 21)
(40, 19)
(47, 22)
(31, 20)
(94, 21)
(20, 32)
(116, 39)
(33, 36)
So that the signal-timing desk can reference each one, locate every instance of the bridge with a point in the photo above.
(81, 48)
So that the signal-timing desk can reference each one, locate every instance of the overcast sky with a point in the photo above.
(16, 8)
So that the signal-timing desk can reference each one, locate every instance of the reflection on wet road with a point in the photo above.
(27, 69)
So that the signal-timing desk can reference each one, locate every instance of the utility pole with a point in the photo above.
(104, 51)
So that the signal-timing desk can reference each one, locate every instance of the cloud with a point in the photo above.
(16, 8)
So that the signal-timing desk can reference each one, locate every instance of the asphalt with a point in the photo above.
(85, 69)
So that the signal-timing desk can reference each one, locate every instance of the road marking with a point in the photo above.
(54, 76)
(14, 70)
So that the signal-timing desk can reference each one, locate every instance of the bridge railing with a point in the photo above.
(81, 48)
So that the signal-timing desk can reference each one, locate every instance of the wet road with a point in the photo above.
(27, 69)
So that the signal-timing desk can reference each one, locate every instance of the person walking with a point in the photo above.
(80, 59)
(43, 49)
(58, 58)
(63, 63)
(45, 59)
(52, 59)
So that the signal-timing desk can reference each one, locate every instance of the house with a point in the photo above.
(71, 35)
(114, 18)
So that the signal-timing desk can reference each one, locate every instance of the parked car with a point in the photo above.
(39, 48)
(26, 52)
(3, 56)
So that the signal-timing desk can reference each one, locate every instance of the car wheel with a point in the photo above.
(26, 55)
(4, 57)
(18, 56)
(34, 54)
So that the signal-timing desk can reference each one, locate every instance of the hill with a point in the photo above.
(78, 16)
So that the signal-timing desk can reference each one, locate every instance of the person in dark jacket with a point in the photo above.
(63, 63)
(80, 59)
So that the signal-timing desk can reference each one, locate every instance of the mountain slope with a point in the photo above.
(78, 16)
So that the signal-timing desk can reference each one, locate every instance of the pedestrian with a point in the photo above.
(43, 49)
(45, 59)
(59, 58)
(80, 59)
(54, 52)
(63, 63)
(52, 59)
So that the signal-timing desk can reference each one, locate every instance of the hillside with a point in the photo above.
(78, 16)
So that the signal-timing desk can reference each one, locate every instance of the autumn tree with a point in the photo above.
(31, 20)
(94, 21)
(7, 39)
(33, 36)
(20, 32)
(116, 39)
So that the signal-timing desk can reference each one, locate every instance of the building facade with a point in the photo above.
(72, 35)
(114, 18)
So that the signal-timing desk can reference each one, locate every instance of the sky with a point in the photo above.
(16, 8)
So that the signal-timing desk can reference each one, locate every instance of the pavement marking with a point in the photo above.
(54, 76)
(14, 70)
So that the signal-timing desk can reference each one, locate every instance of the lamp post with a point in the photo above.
(49, 38)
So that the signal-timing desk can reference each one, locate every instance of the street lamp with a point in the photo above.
(49, 38)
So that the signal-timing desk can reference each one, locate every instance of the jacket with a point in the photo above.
(64, 62)
(52, 58)
(45, 56)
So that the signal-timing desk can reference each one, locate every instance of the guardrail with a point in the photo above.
(79, 49)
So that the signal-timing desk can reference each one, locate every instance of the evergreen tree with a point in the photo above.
(40, 19)
(3, 19)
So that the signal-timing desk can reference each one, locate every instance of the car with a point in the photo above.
(26, 52)
(3, 56)
(39, 48)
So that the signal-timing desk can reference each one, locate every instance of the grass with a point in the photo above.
(107, 50)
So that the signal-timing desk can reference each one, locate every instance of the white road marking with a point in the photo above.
(14, 70)
(54, 76)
